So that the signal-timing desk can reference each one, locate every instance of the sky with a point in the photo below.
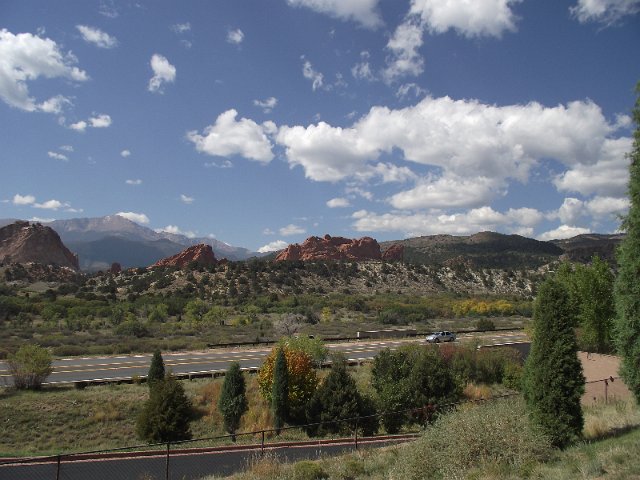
(262, 122)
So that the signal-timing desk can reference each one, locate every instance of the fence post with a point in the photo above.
(356, 432)
(58, 468)
(262, 444)
(167, 463)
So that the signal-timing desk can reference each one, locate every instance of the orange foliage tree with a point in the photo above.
(302, 378)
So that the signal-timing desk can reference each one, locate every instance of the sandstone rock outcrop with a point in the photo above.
(201, 255)
(22, 242)
(332, 248)
(394, 252)
(115, 269)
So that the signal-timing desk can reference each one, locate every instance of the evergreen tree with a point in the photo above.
(280, 391)
(233, 400)
(553, 381)
(336, 399)
(156, 370)
(166, 414)
(627, 286)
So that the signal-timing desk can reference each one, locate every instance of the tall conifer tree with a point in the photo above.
(280, 391)
(553, 380)
(156, 370)
(233, 399)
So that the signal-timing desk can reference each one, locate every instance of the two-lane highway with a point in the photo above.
(125, 367)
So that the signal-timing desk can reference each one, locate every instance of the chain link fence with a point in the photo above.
(220, 455)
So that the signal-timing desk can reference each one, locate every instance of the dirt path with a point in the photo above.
(597, 368)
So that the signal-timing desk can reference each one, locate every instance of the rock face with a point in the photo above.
(115, 269)
(200, 254)
(22, 242)
(394, 252)
(332, 248)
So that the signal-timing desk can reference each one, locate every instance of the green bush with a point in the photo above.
(30, 366)
(495, 433)
(485, 325)
(308, 470)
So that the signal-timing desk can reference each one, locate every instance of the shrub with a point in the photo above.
(30, 366)
(233, 400)
(156, 369)
(498, 432)
(485, 325)
(166, 415)
(280, 391)
(308, 470)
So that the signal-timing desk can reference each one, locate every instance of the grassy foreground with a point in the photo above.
(491, 441)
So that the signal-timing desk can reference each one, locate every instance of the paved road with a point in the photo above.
(127, 366)
(183, 466)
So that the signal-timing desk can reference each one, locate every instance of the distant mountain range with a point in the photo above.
(101, 241)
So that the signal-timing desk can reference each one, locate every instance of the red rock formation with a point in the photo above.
(22, 242)
(201, 254)
(115, 268)
(394, 252)
(332, 248)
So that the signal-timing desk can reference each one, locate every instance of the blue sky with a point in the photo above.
(262, 122)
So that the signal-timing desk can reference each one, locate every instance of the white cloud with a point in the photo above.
(405, 57)
(135, 217)
(176, 231)
(292, 229)
(410, 89)
(235, 36)
(317, 78)
(80, 126)
(362, 11)
(23, 199)
(465, 223)
(359, 191)
(181, 27)
(25, 57)
(186, 199)
(471, 18)
(273, 246)
(98, 121)
(51, 205)
(338, 203)
(608, 12)
(608, 175)
(563, 231)
(362, 70)
(223, 164)
(163, 72)
(228, 136)
(136, 181)
(266, 105)
(600, 207)
(66, 148)
(268, 231)
(447, 192)
(54, 104)
(125, 153)
(58, 156)
(571, 211)
(41, 219)
(97, 37)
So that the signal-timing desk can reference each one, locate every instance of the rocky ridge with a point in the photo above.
(22, 242)
(201, 255)
(337, 248)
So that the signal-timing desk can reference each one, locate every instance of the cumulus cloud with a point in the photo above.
(97, 37)
(607, 12)
(563, 231)
(317, 78)
(361, 11)
(338, 203)
(51, 205)
(41, 219)
(235, 36)
(186, 199)
(292, 229)
(23, 199)
(163, 72)
(273, 246)
(135, 217)
(405, 58)
(266, 105)
(26, 57)
(125, 153)
(97, 121)
(181, 27)
(228, 136)
(136, 181)
(58, 156)
(605, 206)
(476, 18)
(464, 223)
(173, 229)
